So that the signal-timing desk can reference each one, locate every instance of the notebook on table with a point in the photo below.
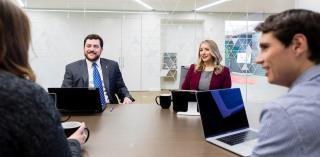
(225, 122)
(77, 100)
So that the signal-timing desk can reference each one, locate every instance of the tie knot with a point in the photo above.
(94, 64)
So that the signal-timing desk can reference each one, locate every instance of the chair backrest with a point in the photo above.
(183, 73)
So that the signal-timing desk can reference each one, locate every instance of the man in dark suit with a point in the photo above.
(81, 73)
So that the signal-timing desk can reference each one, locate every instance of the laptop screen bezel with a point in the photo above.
(77, 100)
(210, 115)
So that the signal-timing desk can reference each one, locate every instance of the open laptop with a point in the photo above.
(185, 102)
(224, 120)
(77, 100)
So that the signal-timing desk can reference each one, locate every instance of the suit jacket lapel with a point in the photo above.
(84, 68)
(106, 73)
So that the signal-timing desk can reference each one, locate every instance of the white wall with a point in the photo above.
(136, 41)
(308, 4)
(132, 40)
(181, 37)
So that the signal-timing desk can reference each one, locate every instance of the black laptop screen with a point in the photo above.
(222, 111)
(69, 100)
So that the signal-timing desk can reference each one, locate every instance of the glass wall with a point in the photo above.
(151, 46)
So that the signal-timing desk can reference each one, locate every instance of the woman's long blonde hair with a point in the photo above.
(15, 38)
(216, 57)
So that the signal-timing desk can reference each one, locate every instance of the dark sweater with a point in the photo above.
(29, 123)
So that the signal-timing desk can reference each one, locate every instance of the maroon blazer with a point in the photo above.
(192, 79)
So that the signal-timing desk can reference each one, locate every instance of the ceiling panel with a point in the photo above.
(85, 4)
(270, 6)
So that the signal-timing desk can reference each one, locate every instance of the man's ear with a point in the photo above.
(300, 44)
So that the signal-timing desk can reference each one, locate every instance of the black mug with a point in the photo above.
(70, 127)
(165, 100)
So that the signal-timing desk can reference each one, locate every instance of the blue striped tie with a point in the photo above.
(97, 83)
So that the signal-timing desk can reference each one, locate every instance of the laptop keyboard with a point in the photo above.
(238, 138)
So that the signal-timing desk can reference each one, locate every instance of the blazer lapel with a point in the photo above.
(106, 73)
(84, 70)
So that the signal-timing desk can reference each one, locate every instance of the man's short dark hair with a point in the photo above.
(286, 24)
(93, 36)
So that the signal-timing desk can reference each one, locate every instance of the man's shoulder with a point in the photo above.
(108, 62)
(311, 86)
(296, 102)
(81, 61)
(75, 64)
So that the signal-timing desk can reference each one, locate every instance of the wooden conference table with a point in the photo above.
(146, 130)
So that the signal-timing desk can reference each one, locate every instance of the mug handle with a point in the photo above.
(88, 134)
(156, 99)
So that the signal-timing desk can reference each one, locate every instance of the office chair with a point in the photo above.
(183, 73)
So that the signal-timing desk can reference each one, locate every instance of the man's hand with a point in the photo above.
(127, 100)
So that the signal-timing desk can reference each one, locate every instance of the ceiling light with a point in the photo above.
(211, 4)
(96, 11)
(144, 4)
(21, 4)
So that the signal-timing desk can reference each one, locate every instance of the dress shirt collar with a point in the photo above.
(89, 63)
(308, 75)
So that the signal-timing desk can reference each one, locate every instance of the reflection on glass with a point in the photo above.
(228, 101)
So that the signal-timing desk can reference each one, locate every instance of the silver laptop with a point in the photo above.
(224, 120)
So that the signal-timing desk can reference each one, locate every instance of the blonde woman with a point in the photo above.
(208, 73)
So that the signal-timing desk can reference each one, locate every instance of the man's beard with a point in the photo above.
(92, 60)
